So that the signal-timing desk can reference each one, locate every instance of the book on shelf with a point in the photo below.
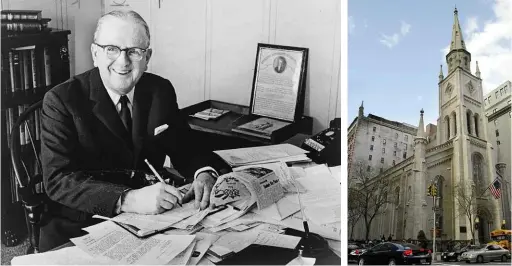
(210, 114)
(262, 127)
(15, 27)
(12, 15)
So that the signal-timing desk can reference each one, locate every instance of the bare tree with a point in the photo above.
(466, 195)
(369, 193)
(354, 212)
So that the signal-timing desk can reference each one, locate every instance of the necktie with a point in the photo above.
(126, 117)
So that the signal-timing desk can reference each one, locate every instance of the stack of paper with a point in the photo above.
(263, 154)
(109, 242)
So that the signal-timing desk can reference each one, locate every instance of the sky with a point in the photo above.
(395, 52)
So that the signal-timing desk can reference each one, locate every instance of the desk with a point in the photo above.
(217, 134)
(326, 258)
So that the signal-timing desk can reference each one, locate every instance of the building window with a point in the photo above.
(478, 171)
(393, 162)
(405, 146)
(497, 133)
(381, 169)
(383, 150)
(494, 110)
(498, 142)
(405, 155)
(394, 153)
(371, 147)
(381, 160)
(374, 129)
(368, 168)
(396, 144)
(396, 135)
(373, 138)
(384, 141)
(406, 137)
(370, 157)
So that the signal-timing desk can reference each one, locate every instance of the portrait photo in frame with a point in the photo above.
(279, 82)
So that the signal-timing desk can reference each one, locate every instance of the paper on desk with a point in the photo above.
(281, 209)
(158, 221)
(266, 238)
(248, 218)
(237, 241)
(121, 247)
(297, 172)
(184, 256)
(305, 261)
(323, 214)
(336, 172)
(237, 157)
(204, 241)
(282, 171)
(320, 169)
(64, 256)
(331, 231)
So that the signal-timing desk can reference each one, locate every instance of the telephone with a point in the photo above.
(325, 147)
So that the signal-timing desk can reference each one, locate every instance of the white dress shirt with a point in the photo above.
(116, 97)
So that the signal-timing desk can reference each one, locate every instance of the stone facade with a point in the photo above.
(455, 152)
(497, 106)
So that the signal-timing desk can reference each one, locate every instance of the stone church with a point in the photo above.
(453, 153)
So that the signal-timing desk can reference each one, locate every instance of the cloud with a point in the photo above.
(351, 25)
(490, 43)
(391, 40)
(471, 26)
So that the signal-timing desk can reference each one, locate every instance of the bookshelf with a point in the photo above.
(32, 63)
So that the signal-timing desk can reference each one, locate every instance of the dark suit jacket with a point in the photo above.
(83, 135)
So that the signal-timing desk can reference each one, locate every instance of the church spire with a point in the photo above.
(441, 77)
(457, 40)
(477, 73)
(458, 55)
(421, 127)
(361, 110)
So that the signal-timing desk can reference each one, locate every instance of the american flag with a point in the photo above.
(495, 188)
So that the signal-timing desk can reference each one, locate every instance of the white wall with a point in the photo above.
(207, 48)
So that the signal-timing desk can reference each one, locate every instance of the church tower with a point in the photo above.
(461, 125)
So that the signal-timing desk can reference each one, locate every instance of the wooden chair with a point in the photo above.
(25, 152)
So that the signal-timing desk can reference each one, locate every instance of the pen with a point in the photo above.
(304, 221)
(157, 175)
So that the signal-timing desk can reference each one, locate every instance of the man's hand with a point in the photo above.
(153, 199)
(200, 190)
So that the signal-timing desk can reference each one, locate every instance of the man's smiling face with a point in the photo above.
(120, 74)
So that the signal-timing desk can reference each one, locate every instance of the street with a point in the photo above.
(460, 263)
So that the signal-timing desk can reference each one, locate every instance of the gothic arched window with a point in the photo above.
(477, 162)
(476, 125)
(468, 121)
(409, 194)
(397, 196)
(447, 124)
(454, 117)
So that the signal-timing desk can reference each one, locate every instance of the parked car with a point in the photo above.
(395, 253)
(354, 251)
(486, 253)
(456, 254)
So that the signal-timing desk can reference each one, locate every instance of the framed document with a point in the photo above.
(279, 82)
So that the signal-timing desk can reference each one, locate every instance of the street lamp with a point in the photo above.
(503, 223)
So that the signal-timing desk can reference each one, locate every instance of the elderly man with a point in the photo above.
(100, 125)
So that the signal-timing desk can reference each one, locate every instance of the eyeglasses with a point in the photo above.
(113, 52)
